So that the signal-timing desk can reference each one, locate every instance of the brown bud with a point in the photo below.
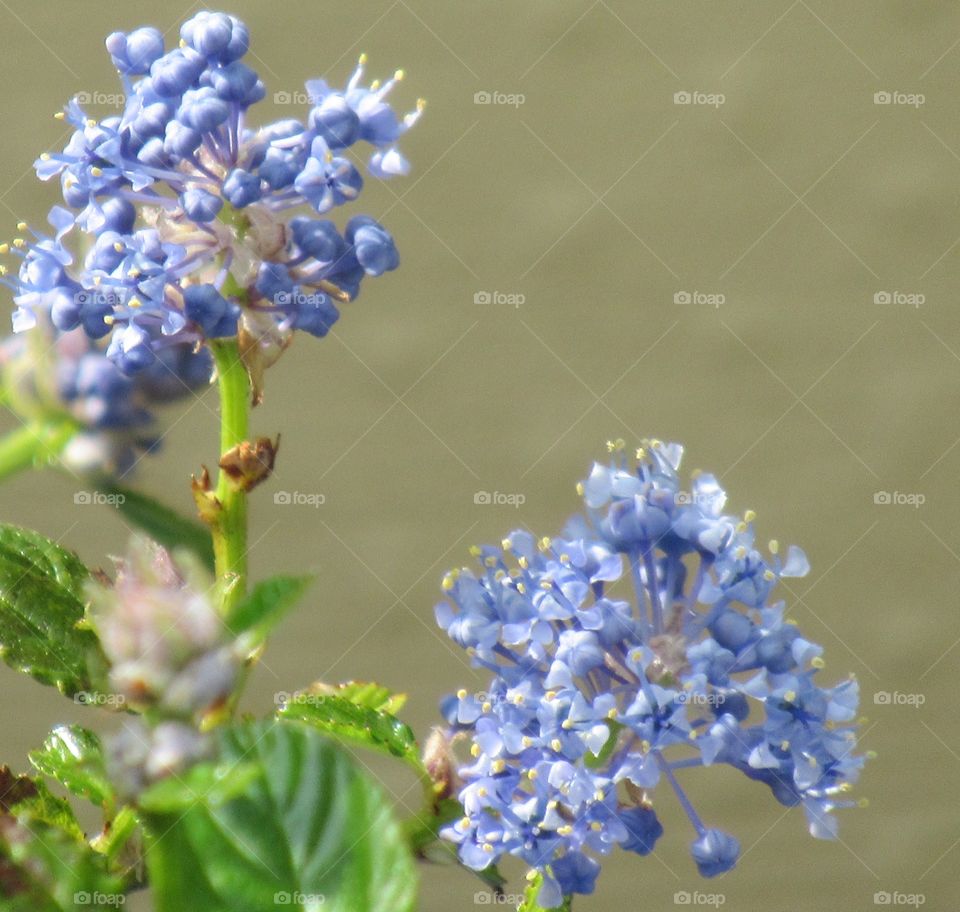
(248, 464)
(207, 504)
(441, 764)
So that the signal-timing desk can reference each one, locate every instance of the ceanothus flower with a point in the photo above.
(47, 375)
(175, 208)
(639, 644)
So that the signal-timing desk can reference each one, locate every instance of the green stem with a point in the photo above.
(40, 441)
(230, 530)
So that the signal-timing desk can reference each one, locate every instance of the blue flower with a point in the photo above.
(178, 192)
(595, 701)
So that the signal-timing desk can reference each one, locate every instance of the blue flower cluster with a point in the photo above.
(47, 374)
(599, 695)
(181, 214)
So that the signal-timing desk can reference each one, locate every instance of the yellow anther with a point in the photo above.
(645, 746)
(550, 695)
(749, 516)
(475, 750)
(399, 75)
(118, 247)
(790, 696)
(598, 795)
(546, 584)
(19, 243)
(506, 544)
(488, 848)
(692, 736)
(769, 575)
(22, 226)
(566, 724)
(482, 792)
(784, 745)
(863, 803)
(845, 787)
(564, 830)
(183, 42)
(44, 156)
(524, 563)
(91, 123)
(555, 745)
(579, 489)
(527, 742)
(475, 551)
(486, 706)
(135, 303)
(3, 270)
(498, 766)
(362, 59)
(448, 583)
(462, 693)
(521, 589)
(817, 662)
(741, 527)
(109, 320)
(4, 248)
(596, 826)
(612, 713)
(421, 103)
(740, 553)
(871, 755)
(532, 774)
(96, 172)
(546, 543)
(499, 575)
(490, 561)
(564, 558)
(518, 699)
(59, 115)
(464, 822)
(374, 85)
(641, 454)
(774, 546)
(656, 444)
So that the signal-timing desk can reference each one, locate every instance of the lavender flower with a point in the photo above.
(598, 695)
(177, 226)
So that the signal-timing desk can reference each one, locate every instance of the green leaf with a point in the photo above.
(367, 694)
(41, 603)
(328, 710)
(23, 797)
(309, 826)
(73, 756)
(266, 604)
(160, 522)
(44, 869)
(212, 783)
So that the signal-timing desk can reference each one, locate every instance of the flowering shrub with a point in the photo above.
(639, 644)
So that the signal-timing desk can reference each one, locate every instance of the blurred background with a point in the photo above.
(728, 224)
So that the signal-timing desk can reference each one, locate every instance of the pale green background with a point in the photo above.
(597, 200)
